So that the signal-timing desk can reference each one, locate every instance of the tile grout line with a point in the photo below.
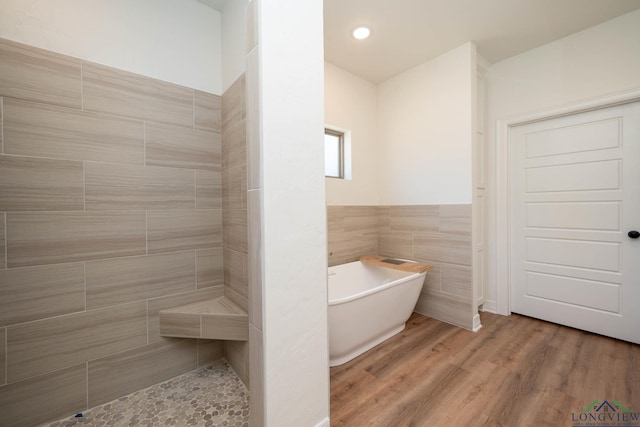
(2, 124)
(6, 249)
(6, 353)
(84, 186)
(197, 353)
(84, 268)
(146, 232)
(195, 251)
(147, 322)
(87, 384)
(144, 143)
(81, 85)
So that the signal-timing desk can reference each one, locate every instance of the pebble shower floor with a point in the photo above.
(210, 396)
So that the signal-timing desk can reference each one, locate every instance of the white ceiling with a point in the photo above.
(406, 33)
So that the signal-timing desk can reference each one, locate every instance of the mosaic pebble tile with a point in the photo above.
(210, 396)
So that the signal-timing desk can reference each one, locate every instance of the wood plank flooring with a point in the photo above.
(516, 371)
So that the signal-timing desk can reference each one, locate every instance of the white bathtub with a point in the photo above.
(367, 305)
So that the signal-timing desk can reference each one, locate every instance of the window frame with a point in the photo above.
(340, 135)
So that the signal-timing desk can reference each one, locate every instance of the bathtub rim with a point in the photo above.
(377, 289)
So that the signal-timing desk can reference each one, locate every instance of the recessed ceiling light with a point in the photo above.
(361, 33)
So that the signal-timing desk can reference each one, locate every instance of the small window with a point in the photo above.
(333, 153)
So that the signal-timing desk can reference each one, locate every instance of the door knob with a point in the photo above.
(633, 234)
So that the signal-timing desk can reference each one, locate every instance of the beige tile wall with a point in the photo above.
(439, 235)
(110, 210)
(234, 214)
(254, 218)
(352, 232)
(3, 240)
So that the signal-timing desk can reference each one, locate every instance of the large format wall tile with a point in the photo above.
(112, 91)
(42, 346)
(256, 374)
(234, 267)
(41, 130)
(178, 147)
(156, 304)
(352, 233)
(235, 297)
(119, 280)
(457, 280)
(439, 247)
(439, 235)
(44, 398)
(173, 231)
(234, 205)
(55, 237)
(447, 308)
(28, 183)
(92, 161)
(124, 373)
(237, 354)
(254, 149)
(234, 150)
(207, 111)
(3, 234)
(3, 356)
(34, 74)
(414, 218)
(1, 127)
(128, 187)
(396, 244)
(361, 218)
(254, 258)
(235, 230)
(209, 351)
(208, 189)
(234, 192)
(210, 266)
(344, 246)
(455, 219)
(32, 293)
(234, 104)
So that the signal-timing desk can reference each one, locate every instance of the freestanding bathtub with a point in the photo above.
(367, 305)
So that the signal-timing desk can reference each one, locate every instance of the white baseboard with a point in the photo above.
(324, 423)
(476, 323)
(490, 306)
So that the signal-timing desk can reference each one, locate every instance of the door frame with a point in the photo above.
(503, 180)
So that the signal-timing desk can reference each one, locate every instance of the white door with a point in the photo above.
(575, 198)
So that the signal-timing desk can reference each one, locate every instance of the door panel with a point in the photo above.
(574, 139)
(574, 253)
(590, 215)
(575, 194)
(601, 175)
(581, 292)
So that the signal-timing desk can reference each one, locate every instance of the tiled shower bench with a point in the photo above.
(217, 318)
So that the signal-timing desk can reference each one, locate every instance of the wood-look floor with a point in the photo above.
(516, 371)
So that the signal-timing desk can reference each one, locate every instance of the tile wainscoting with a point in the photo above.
(234, 214)
(439, 235)
(111, 206)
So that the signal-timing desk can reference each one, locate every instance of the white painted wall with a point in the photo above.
(177, 41)
(296, 362)
(351, 104)
(601, 60)
(425, 131)
(234, 41)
